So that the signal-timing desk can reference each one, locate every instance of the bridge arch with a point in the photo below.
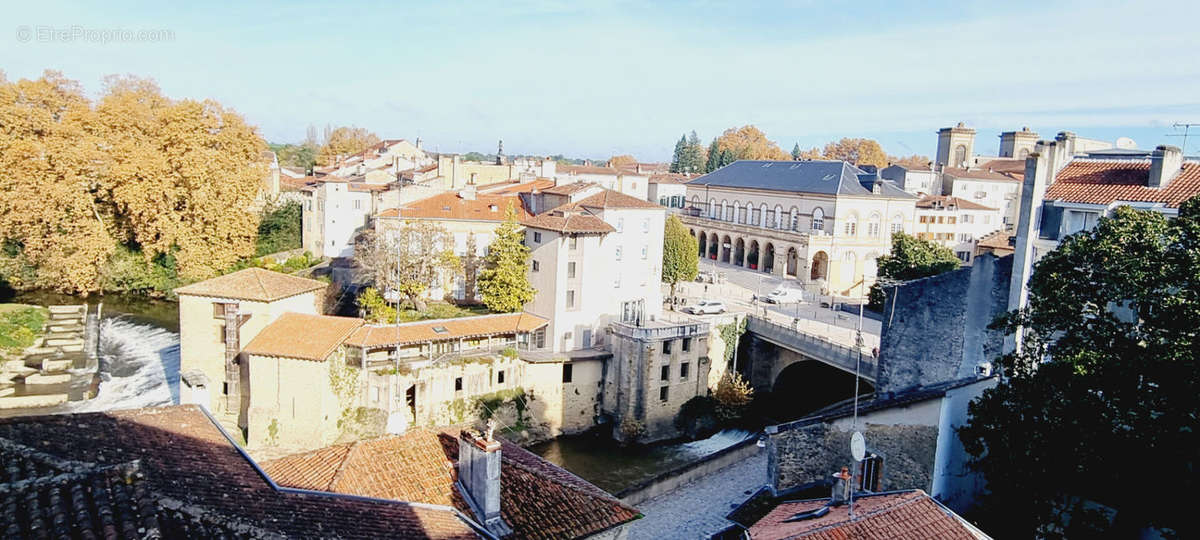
(803, 385)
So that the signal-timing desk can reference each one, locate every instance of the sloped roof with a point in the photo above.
(568, 222)
(303, 336)
(463, 327)
(570, 188)
(537, 498)
(984, 174)
(996, 240)
(669, 178)
(614, 199)
(538, 184)
(254, 284)
(172, 471)
(945, 201)
(1105, 181)
(1010, 166)
(816, 176)
(588, 169)
(896, 515)
(452, 206)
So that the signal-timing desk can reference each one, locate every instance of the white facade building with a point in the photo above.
(594, 259)
(955, 223)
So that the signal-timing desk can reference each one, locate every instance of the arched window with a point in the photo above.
(818, 220)
(737, 209)
(777, 223)
(1024, 153)
(874, 224)
(794, 213)
(725, 210)
(713, 211)
(960, 155)
(763, 214)
(753, 219)
(897, 223)
(851, 228)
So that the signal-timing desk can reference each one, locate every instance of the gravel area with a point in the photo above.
(697, 509)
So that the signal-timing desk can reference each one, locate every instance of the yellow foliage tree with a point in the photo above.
(170, 178)
(857, 151)
(913, 161)
(624, 159)
(345, 141)
(748, 142)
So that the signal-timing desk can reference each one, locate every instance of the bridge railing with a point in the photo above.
(817, 347)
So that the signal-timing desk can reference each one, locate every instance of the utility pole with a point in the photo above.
(1186, 127)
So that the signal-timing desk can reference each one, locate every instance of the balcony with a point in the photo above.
(660, 330)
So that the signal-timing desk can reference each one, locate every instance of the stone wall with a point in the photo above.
(935, 329)
(812, 453)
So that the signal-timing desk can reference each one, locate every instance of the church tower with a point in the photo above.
(500, 153)
(956, 145)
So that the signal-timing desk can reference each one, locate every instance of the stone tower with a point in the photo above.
(956, 145)
(500, 153)
(1017, 144)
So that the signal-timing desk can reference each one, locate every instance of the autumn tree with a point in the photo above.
(681, 257)
(172, 181)
(345, 141)
(746, 142)
(1099, 403)
(856, 151)
(622, 160)
(913, 162)
(504, 282)
(410, 259)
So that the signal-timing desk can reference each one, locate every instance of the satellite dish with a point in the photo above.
(858, 446)
(1125, 143)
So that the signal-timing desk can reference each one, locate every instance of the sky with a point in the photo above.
(596, 79)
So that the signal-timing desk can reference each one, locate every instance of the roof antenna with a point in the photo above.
(1186, 127)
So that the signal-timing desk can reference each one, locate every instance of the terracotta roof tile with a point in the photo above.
(571, 188)
(1105, 181)
(929, 201)
(568, 222)
(537, 498)
(463, 327)
(254, 284)
(996, 240)
(1006, 165)
(539, 184)
(171, 468)
(587, 169)
(669, 178)
(615, 199)
(453, 206)
(883, 516)
(303, 336)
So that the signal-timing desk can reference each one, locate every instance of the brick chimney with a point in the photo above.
(1165, 164)
(841, 487)
(479, 477)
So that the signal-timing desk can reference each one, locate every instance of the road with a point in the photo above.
(741, 285)
(698, 508)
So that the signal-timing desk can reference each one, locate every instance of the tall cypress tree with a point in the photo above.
(796, 152)
(694, 155)
(504, 284)
(714, 157)
(678, 160)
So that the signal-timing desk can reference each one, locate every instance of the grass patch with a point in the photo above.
(20, 325)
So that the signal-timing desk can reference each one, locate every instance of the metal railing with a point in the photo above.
(817, 347)
(674, 331)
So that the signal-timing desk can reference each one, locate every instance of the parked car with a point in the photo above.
(706, 307)
(783, 295)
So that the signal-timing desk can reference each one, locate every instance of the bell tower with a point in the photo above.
(956, 145)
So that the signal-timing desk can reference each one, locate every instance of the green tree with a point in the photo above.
(713, 161)
(1100, 401)
(797, 154)
(279, 229)
(302, 155)
(504, 284)
(681, 257)
(693, 155)
(911, 258)
(409, 260)
(677, 160)
(374, 307)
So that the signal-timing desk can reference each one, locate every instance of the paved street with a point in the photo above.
(741, 284)
(697, 509)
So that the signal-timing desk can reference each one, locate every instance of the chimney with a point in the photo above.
(468, 192)
(639, 168)
(479, 477)
(841, 487)
(1165, 164)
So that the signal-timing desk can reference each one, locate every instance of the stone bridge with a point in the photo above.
(792, 347)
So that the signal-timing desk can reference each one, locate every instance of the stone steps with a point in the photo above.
(22, 402)
(43, 378)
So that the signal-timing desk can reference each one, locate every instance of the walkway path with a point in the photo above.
(697, 509)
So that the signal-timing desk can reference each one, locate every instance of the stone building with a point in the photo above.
(656, 368)
(822, 223)
(917, 180)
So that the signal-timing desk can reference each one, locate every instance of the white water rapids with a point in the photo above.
(139, 367)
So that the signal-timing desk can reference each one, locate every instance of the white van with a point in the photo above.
(784, 295)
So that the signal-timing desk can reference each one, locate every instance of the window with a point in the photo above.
(537, 237)
(871, 473)
(458, 384)
(618, 256)
(539, 338)
(951, 219)
(620, 224)
(967, 218)
(646, 225)
(570, 270)
(941, 219)
(963, 256)
(987, 220)
(567, 372)
(980, 194)
(683, 371)
(358, 205)
(536, 266)
(898, 223)
(795, 218)
(818, 220)
(644, 251)
(662, 394)
(570, 299)
(777, 223)
(851, 228)
(686, 345)
(573, 243)
(873, 226)
(500, 377)
(667, 347)
(965, 237)
(665, 373)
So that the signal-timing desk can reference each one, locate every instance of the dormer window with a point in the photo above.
(441, 330)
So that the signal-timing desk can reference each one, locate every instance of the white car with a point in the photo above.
(783, 295)
(706, 307)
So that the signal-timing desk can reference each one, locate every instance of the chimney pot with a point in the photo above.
(1165, 164)
(479, 475)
